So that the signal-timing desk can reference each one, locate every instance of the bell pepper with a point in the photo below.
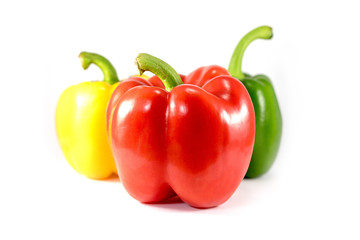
(80, 121)
(267, 110)
(194, 141)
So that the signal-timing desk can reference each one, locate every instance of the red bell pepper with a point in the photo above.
(191, 140)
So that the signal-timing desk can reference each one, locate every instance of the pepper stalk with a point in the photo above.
(168, 75)
(110, 75)
(263, 32)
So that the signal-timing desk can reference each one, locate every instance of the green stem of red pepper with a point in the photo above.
(263, 32)
(110, 75)
(170, 78)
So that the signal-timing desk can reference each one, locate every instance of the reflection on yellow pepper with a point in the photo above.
(80, 121)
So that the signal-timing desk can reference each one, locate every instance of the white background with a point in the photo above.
(311, 192)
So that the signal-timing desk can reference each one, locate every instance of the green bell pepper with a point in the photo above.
(267, 111)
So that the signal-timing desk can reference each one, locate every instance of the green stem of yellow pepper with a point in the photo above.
(110, 75)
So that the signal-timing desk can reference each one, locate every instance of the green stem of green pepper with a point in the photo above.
(110, 75)
(263, 32)
(146, 62)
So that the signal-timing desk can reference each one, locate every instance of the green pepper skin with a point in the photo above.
(268, 122)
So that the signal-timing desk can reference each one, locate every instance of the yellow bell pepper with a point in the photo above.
(81, 123)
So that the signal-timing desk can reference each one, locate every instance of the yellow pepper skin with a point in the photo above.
(142, 76)
(80, 121)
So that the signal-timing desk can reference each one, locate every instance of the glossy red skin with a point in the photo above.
(127, 84)
(195, 142)
(203, 74)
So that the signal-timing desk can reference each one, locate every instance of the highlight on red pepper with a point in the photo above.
(80, 121)
(267, 110)
(194, 141)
